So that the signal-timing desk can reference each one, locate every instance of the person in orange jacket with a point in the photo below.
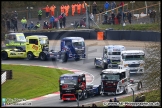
(73, 8)
(52, 10)
(67, 7)
(83, 7)
(79, 6)
(47, 9)
(62, 8)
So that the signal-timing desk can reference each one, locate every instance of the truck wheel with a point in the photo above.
(105, 66)
(30, 56)
(85, 95)
(64, 57)
(125, 91)
(139, 86)
(42, 56)
(4, 55)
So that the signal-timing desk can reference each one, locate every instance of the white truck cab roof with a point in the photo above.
(115, 47)
(114, 71)
(133, 52)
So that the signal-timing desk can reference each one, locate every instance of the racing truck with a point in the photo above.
(38, 46)
(117, 81)
(111, 57)
(72, 48)
(132, 60)
(35, 46)
(74, 87)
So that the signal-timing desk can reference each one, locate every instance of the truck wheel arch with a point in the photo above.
(4, 55)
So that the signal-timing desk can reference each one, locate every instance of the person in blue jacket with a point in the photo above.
(106, 5)
(52, 19)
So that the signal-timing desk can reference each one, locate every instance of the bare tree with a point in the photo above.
(152, 74)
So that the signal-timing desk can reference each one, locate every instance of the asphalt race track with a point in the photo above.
(85, 65)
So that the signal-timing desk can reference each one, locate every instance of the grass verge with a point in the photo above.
(30, 81)
(151, 96)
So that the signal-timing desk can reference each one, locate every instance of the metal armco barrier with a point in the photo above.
(108, 35)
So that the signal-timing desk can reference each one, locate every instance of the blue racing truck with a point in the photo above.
(72, 48)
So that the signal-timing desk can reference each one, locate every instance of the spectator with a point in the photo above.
(12, 20)
(94, 105)
(67, 7)
(37, 25)
(113, 5)
(83, 7)
(119, 17)
(153, 15)
(79, 6)
(91, 18)
(8, 24)
(129, 16)
(16, 14)
(52, 21)
(113, 17)
(73, 9)
(31, 25)
(15, 24)
(47, 9)
(122, 6)
(106, 5)
(52, 10)
(124, 16)
(105, 18)
(7, 16)
(24, 23)
(94, 7)
(45, 25)
(64, 20)
(60, 20)
(39, 14)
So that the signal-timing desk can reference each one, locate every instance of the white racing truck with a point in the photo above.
(117, 81)
(132, 60)
(111, 57)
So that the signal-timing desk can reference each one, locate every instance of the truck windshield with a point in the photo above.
(110, 77)
(68, 80)
(114, 53)
(21, 38)
(44, 41)
(78, 43)
(133, 57)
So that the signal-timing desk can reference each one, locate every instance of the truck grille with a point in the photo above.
(133, 70)
(133, 65)
(116, 61)
(79, 51)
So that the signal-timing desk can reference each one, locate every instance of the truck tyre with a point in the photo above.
(84, 95)
(4, 55)
(125, 91)
(139, 86)
(42, 56)
(105, 66)
(30, 56)
(64, 57)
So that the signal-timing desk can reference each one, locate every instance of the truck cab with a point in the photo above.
(70, 84)
(111, 57)
(15, 39)
(72, 48)
(132, 60)
(114, 81)
(37, 46)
